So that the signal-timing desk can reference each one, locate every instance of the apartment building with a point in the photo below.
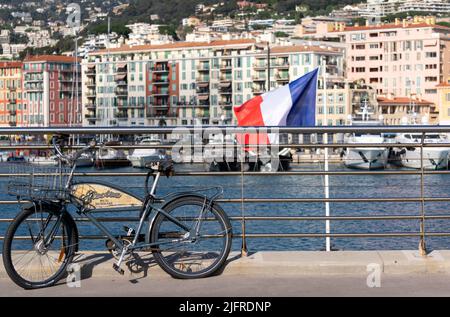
(398, 110)
(343, 103)
(189, 83)
(444, 103)
(50, 86)
(382, 8)
(12, 105)
(403, 58)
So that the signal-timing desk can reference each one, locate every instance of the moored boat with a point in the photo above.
(141, 157)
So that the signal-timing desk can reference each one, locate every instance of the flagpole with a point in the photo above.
(325, 141)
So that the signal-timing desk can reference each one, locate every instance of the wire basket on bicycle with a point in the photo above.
(33, 182)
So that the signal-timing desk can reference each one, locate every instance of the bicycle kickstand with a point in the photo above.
(116, 266)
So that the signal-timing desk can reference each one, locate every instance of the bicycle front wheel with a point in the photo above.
(184, 254)
(38, 246)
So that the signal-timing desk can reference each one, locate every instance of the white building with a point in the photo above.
(381, 8)
(11, 51)
(144, 33)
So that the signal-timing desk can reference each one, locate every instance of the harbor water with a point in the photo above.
(278, 185)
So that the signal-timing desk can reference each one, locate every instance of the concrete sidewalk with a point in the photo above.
(99, 264)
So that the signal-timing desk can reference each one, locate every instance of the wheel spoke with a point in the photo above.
(39, 264)
(200, 253)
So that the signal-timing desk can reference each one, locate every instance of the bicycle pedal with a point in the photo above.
(118, 269)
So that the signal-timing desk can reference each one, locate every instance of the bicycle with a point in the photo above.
(188, 233)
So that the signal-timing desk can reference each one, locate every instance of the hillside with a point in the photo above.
(172, 11)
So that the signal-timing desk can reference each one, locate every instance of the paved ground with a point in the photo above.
(343, 273)
(248, 285)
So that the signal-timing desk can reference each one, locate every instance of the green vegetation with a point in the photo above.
(447, 24)
(102, 28)
(281, 34)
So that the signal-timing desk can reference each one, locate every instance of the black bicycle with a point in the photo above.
(188, 233)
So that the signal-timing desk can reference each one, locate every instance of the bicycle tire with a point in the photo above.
(69, 251)
(222, 219)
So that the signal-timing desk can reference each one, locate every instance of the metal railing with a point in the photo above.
(241, 203)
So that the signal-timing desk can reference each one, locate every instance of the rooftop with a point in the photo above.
(175, 45)
(393, 26)
(402, 100)
(51, 58)
(13, 64)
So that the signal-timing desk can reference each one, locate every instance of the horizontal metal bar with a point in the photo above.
(307, 200)
(301, 235)
(342, 235)
(227, 129)
(238, 146)
(277, 218)
(287, 173)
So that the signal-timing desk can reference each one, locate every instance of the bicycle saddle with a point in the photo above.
(163, 164)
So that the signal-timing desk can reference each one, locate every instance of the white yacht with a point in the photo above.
(434, 158)
(365, 157)
(85, 160)
(43, 160)
(108, 157)
(141, 157)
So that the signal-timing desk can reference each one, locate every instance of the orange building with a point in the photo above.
(12, 105)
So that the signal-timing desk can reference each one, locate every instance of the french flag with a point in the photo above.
(292, 105)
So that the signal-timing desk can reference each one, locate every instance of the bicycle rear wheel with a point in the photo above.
(29, 261)
(191, 257)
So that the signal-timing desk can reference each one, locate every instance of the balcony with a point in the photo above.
(12, 123)
(226, 66)
(122, 69)
(160, 68)
(91, 94)
(225, 78)
(226, 103)
(34, 88)
(160, 92)
(281, 64)
(90, 71)
(161, 113)
(121, 115)
(65, 79)
(203, 67)
(257, 90)
(29, 78)
(160, 80)
(202, 90)
(282, 77)
(13, 112)
(12, 101)
(259, 65)
(121, 92)
(90, 83)
(259, 77)
(202, 79)
(90, 117)
(90, 106)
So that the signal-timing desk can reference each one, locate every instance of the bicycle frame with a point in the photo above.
(148, 207)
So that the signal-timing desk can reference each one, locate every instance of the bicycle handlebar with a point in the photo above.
(71, 159)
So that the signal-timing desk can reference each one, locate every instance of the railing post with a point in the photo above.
(244, 250)
(422, 246)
